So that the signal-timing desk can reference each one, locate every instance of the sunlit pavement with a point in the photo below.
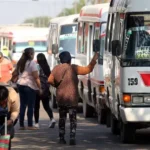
(90, 136)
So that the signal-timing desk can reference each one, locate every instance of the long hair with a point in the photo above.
(27, 55)
(41, 59)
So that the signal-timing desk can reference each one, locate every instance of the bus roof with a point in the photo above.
(23, 31)
(57, 19)
(94, 13)
(130, 6)
(71, 19)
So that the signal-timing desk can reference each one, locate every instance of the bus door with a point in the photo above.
(53, 39)
(90, 55)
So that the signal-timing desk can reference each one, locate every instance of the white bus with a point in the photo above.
(91, 29)
(18, 38)
(53, 37)
(62, 37)
(126, 66)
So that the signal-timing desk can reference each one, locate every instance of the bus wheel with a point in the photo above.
(114, 125)
(101, 116)
(87, 110)
(108, 118)
(53, 102)
(127, 133)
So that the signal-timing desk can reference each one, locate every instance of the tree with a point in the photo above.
(78, 5)
(75, 9)
(42, 21)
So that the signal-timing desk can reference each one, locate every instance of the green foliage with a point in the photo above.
(75, 9)
(42, 21)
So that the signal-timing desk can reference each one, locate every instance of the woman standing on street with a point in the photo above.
(64, 77)
(44, 72)
(28, 82)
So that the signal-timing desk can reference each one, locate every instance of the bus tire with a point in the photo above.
(114, 125)
(101, 116)
(108, 118)
(127, 133)
(87, 110)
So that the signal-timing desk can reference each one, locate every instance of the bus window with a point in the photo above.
(111, 32)
(67, 38)
(137, 39)
(85, 35)
(80, 38)
(102, 42)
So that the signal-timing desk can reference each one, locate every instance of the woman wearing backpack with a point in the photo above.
(44, 72)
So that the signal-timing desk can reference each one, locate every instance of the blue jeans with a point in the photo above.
(27, 99)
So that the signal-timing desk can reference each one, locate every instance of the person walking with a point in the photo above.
(64, 78)
(28, 82)
(44, 72)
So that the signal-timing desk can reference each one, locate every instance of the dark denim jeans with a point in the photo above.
(27, 99)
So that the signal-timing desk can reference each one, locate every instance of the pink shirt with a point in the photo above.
(5, 70)
(26, 77)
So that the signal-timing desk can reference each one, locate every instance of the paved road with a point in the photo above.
(90, 136)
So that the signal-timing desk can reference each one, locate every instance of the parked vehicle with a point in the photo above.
(91, 37)
(17, 38)
(62, 37)
(126, 66)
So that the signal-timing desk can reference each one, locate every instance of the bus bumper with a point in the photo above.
(132, 115)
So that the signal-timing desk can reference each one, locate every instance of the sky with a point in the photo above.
(16, 11)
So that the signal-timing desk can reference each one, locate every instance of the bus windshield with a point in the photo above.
(137, 40)
(39, 46)
(67, 38)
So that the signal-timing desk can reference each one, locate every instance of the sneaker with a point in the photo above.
(32, 128)
(62, 141)
(36, 125)
(52, 123)
(72, 141)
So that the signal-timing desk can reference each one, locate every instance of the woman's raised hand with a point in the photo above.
(96, 56)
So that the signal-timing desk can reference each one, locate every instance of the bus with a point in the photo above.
(91, 29)
(63, 31)
(53, 38)
(63, 38)
(126, 67)
(18, 38)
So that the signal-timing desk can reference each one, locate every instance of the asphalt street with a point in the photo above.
(90, 136)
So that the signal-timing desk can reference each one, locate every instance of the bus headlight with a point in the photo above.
(137, 99)
(147, 99)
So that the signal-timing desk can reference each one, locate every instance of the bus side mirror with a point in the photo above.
(54, 48)
(96, 45)
(116, 48)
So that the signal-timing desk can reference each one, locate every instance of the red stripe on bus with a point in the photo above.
(145, 77)
(92, 15)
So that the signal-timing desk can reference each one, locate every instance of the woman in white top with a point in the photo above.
(27, 83)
